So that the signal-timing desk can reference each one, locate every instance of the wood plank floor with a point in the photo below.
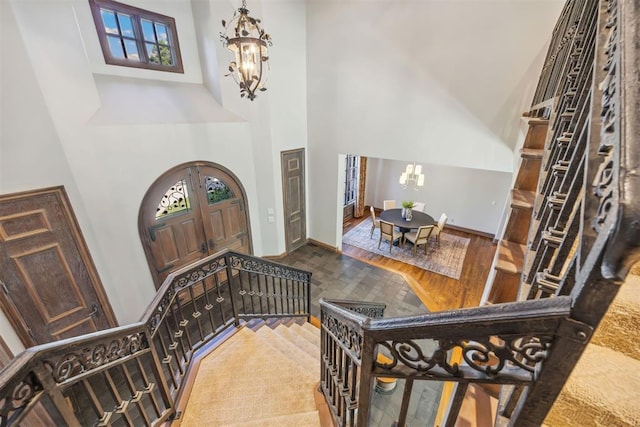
(436, 291)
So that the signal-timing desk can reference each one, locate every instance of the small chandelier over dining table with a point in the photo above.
(248, 41)
(412, 173)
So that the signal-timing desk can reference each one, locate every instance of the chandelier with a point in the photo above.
(412, 173)
(248, 41)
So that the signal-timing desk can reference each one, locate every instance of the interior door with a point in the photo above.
(293, 183)
(190, 212)
(50, 287)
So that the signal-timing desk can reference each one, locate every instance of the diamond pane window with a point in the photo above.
(217, 190)
(175, 200)
(134, 37)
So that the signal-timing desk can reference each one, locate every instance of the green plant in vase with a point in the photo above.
(407, 205)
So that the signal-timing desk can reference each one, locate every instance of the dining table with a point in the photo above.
(418, 219)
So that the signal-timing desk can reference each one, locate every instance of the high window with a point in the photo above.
(134, 37)
(351, 179)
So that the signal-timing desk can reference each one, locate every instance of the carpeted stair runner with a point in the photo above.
(602, 389)
(260, 377)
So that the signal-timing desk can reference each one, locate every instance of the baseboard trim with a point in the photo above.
(470, 231)
(275, 257)
(323, 245)
(308, 241)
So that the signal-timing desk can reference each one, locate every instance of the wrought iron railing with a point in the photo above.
(504, 344)
(133, 375)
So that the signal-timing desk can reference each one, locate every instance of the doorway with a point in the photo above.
(50, 286)
(193, 210)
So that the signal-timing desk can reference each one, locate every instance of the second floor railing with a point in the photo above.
(132, 375)
(501, 344)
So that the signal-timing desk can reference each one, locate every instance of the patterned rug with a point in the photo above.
(446, 259)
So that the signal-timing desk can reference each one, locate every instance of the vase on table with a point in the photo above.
(404, 213)
(408, 214)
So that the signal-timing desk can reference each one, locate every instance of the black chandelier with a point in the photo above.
(248, 41)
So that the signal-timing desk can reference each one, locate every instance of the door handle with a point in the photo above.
(203, 247)
(210, 243)
(94, 310)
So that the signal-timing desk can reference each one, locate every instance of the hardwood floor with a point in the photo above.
(436, 291)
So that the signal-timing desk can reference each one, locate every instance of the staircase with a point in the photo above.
(509, 258)
(265, 375)
(602, 390)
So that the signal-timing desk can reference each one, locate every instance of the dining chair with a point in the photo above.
(388, 232)
(440, 226)
(420, 237)
(418, 206)
(375, 222)
(388, 204)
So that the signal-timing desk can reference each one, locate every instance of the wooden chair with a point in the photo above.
(440, 226)
(420, 237)
(375, 222)
(418, 206)
(388, 232)
(388, 204)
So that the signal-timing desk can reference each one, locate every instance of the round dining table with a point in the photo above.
(418, 219)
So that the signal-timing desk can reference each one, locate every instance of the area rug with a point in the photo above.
(446, 259)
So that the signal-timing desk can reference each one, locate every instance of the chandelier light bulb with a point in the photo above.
(413, 173)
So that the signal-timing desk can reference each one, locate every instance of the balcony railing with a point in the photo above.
(504, 344)
(132, 375)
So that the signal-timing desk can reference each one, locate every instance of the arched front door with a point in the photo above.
(191, 211)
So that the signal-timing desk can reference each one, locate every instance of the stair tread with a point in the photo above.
(595, 391)
(522, 199)
(315, 330)
(297, 339)
(291, 351)
(531, 153)
(510, 256)
(300, 419)
(313, 338)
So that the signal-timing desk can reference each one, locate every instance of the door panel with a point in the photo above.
(222, 204)
(174, 233)
(192, 211)
(294, 198)
(50, 287)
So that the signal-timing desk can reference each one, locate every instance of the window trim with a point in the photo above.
(137, 15)
(352, 176)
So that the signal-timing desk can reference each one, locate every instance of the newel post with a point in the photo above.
(57, 398)
(234, 306)
(367, 380)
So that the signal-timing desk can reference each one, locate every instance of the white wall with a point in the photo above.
(448, 189)
(107, 132)
(438, 82)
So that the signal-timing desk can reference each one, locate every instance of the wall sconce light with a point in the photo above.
(248, 41)
(412, 173)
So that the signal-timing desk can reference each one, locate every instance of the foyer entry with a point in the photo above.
(191, 211)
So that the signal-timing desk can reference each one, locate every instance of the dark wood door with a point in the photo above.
(192, 211)
(50, 287)
(174, 234)
(293, 183)
(222, 207)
